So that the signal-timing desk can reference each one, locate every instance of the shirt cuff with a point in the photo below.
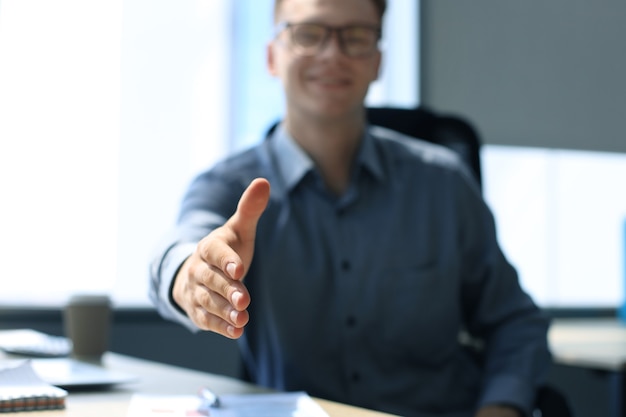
(171, 264)
(510, 391)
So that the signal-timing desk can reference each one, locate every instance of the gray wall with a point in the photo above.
(532, 73)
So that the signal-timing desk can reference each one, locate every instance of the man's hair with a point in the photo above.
(380, 5)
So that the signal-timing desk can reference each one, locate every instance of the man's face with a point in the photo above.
(328, 83)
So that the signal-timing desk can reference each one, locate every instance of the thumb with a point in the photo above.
(251, 206)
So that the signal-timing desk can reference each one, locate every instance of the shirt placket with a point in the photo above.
(346, 266)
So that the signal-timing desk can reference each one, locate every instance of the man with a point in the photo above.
(368, 258)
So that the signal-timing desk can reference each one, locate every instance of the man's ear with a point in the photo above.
(379, 59)
(271, 59)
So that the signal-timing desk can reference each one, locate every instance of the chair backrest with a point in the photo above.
(445, 129)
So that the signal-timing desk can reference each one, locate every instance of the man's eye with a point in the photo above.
(359, 36)
(308, 35)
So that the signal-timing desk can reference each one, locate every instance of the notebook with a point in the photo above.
(21, 389)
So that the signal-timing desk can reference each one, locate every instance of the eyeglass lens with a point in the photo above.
(354, 41)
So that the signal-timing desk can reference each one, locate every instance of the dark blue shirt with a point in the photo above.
(370, 298)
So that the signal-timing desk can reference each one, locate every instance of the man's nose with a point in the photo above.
(332, 46)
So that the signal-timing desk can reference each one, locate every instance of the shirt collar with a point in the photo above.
(294, 163)
(369, 156)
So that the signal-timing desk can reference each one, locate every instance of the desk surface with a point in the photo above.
(157, 378)
(593, 343)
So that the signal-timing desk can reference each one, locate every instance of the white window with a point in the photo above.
(561, 217)
(107, 110)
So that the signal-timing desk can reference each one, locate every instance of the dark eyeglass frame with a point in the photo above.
(290, 27)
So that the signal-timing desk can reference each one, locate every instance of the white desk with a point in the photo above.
(596, 344)
(156, 378)
(592, 343)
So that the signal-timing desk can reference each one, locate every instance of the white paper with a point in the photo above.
(144, 405)
(295, 404)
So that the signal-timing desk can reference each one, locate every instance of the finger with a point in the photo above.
(218, 306)
(208, 309)
(232, 291)
(240, 230)
(207, 321)
(215, 281)
(251, 205)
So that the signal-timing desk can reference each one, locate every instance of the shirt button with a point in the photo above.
(351, 321)
(345, 265)
(356, 377)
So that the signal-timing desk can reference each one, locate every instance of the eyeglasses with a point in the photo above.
(355, 41)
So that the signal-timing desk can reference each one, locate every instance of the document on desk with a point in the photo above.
(293, 404)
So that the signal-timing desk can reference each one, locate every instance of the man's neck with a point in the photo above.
(331, 144)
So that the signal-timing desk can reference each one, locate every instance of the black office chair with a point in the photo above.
(445, 129)
(551, 402)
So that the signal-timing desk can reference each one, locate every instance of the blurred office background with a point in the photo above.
(108, 109)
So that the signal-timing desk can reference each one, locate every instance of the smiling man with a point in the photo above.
(354, 276)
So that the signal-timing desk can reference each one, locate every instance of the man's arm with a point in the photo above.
(516, 356)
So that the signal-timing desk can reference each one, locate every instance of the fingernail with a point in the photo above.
(236, 297)
(233, 316)
(230, 269)
(230, 330)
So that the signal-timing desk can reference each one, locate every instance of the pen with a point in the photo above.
(209, 399)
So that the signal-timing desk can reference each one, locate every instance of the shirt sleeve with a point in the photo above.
(502, 315)
(162, 273)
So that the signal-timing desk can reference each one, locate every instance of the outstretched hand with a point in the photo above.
(208, 286)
